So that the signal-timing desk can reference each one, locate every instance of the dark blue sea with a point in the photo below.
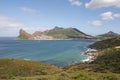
(58, 52)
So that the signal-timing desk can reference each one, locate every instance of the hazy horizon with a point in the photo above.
(92, 17)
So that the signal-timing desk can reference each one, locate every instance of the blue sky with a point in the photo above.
(90, 16)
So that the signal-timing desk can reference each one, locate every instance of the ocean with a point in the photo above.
(57, 52)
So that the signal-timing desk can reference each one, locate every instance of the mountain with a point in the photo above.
(55, 33)
(107, 35)
(66, 33)
(23, 35)
(104, 44)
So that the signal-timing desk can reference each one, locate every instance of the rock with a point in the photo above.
(23, 35)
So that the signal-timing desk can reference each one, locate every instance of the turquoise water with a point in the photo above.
(58, 52)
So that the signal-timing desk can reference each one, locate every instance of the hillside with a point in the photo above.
(104, 44)
(108, 60)
(14, 67)
(55, 33)
(107, 35)
(67, 33)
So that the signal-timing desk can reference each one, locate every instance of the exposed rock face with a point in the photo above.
(41, 36)
(108, 35)
(55, 33)
(23, 35)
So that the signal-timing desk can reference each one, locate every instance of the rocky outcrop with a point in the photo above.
(92, 54)
(43, 37)
(23, 35)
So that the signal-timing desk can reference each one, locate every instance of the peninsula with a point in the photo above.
(56, 33)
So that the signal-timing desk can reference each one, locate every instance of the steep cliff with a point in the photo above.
(23, 35)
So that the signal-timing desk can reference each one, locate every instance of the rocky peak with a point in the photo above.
(110, 32)
(24, 35)
(22, 31)
(108, 35)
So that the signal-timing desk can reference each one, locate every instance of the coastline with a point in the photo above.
(91, 55)
(59, 39)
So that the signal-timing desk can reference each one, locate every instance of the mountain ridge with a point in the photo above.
(107, 35)
(55, 33)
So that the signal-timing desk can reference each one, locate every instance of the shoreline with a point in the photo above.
(60, 39)
(91, 55)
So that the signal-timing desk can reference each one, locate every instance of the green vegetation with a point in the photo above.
(74, 75)
(108, 55)
(55, 33)
(62, 33)
(13, 67)
(108, 60)
(104, 44)
(67, 33)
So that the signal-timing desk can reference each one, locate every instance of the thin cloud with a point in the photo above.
(28, 10)
(8, 22)
(75, 2)
(110, 15)
(10, 27)
(117, 15)
(107, 16)
(96, 23)
(95, 4)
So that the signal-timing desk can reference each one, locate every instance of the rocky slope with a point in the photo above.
(24, 35)
(55, 33)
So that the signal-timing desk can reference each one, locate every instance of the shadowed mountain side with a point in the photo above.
(104, 44)
(107, 35)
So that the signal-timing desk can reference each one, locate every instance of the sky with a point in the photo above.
(89, 16)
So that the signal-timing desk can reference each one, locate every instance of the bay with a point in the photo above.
(57, 52)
